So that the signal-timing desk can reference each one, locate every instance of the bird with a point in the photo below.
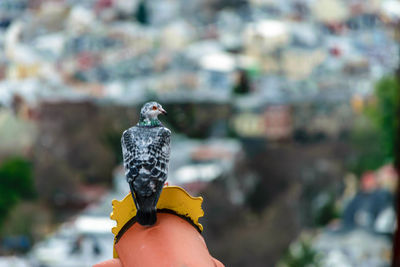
(146, 152)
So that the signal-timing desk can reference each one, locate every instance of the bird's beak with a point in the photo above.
(162, 111)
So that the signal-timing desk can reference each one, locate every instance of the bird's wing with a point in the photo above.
(159, 150)
(129, 150)
(151, 164)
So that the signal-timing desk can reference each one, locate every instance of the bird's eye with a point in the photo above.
(154, 107)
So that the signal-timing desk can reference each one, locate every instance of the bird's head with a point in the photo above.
(149, 114)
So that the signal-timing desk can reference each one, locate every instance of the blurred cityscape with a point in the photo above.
(283, 116)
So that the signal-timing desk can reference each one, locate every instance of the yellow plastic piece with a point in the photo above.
(173, 198)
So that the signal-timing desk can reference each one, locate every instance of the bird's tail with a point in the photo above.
(146, 217)
(146, 204)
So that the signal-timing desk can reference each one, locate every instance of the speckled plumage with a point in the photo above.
(146, 150)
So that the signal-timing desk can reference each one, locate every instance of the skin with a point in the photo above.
(171, 242)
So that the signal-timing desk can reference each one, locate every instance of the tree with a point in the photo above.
(142, 13)
(383, 113)
(15, 183)
(242, 85)
(69, 151)
(300, 254)
(373, 135)
(366, 144)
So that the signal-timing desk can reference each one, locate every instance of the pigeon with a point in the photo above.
(146, 150)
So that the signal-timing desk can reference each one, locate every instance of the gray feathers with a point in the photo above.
(146, 153)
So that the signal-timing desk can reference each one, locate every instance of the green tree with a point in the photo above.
(15, 183)
(367, 149)
(374, 133)
(326, 212)
(383, 113)
(142, 13)
(300, 254)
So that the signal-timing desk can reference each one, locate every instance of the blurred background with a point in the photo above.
(283, 116)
